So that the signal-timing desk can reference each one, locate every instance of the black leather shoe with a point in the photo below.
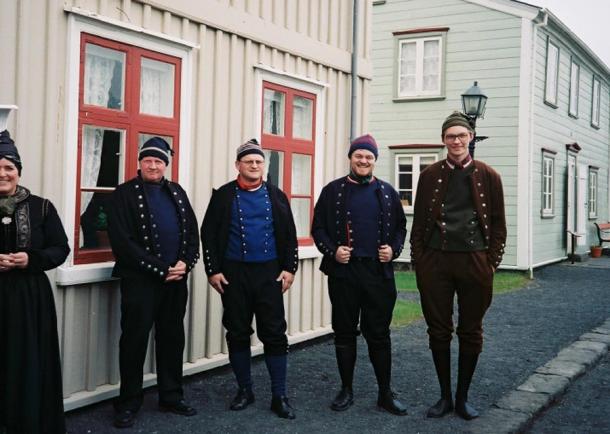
(244, 398)
(389, 403)
(124, 419)
(179, 407)
(441, 408)
(465, 410)
(343, 400)
(281, 407)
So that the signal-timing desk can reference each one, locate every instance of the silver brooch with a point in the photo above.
(6, 220)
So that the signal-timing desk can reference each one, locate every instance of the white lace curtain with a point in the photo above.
(157, 88)
(431, 66)
(98, 75)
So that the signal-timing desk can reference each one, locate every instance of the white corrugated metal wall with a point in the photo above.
(230, 42)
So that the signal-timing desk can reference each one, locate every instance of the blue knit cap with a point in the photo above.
(364, 142)
(9, 151)
(156, 147)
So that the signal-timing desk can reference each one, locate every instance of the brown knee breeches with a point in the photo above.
(442, 274)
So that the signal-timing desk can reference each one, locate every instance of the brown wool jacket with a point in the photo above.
(488, 197)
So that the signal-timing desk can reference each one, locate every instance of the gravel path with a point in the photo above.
(523, 330)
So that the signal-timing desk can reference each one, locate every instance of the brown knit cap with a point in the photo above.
(456, 119)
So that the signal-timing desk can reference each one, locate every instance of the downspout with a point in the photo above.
(354, 102)
(542, 21)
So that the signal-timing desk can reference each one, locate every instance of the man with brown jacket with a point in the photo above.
(457, 242)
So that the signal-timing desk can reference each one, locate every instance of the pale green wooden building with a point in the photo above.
(547, 114)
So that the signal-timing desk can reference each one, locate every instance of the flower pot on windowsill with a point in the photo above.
(596, 251)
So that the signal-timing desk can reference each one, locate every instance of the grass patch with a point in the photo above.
(504, 281)
(405, 281)
(405, 312)
(507, 281)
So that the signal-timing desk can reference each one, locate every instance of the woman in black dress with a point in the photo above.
(32, 240)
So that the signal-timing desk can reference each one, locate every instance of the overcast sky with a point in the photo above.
(588, 19)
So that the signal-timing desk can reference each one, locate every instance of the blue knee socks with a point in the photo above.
(276, 365)
(240, 362)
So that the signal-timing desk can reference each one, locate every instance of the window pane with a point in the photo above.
(302, 117)
(405, 164)
(406, 198)
(94, 220)
(408, 66)
(551, 73)
(157, 88)
(405, 181)
(300, 210)
(595, 102)
(425, 162)
(143, 137)
(574, 84)
(101, 157)
(301, 174)
(275, 167)
(104, 77)
(405, 168)
(431, 66)
(273, 112)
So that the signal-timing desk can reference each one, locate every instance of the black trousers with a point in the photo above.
(144, 302)
(364, 297)
(253, 290)
(440, 275)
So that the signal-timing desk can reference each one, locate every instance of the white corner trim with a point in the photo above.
(128, 26)
(525, 143)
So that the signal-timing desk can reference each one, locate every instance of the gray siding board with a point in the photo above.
(553, 129)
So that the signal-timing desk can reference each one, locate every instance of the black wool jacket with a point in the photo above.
(329, 227)
(215, 228)
(134, 239)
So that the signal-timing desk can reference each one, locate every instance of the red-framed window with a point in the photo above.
(288, 139)
(126, 95)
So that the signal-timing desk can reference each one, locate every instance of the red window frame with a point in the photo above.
(290, 145)
(129, 119)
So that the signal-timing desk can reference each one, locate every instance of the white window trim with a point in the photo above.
(77, 24)
(266, 73)
(573, 111)
(547, 212)
(593, 213)
(419, 38)
(596, 98)
(414, 179)
(554, 97)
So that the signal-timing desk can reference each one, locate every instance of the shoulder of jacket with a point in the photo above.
(485, 168)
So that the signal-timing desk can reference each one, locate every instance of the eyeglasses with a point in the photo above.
(451, 137)
(252, 162)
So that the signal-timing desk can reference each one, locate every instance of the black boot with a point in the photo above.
(381, 359)
(281, 407)
(243, 399)
(387, 401)
(442, 363)
(466, 366)
(343, 400)
(346, 361)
